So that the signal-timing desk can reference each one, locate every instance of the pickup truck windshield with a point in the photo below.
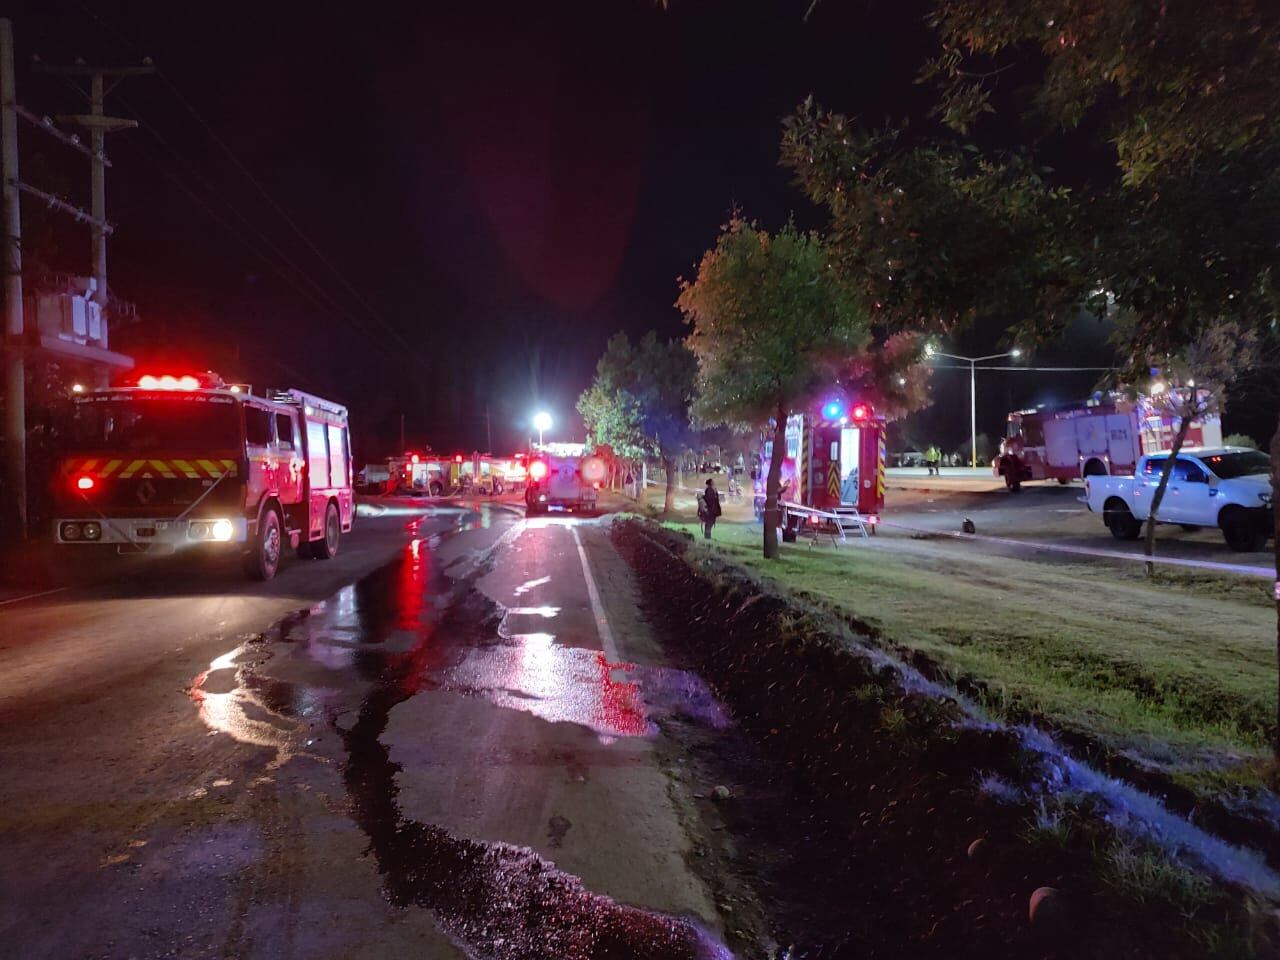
(1228, 466)
(141, 424)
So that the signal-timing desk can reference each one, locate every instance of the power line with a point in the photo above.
(265, 192)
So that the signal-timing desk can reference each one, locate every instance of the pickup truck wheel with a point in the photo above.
(1012, 482)
(1242, 533)
(1120, 521)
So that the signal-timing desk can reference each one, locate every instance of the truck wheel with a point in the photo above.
(1063, 481)
(263, 558)
(436, 490)
(1241, 532)
(326, 548)
(1012, 482)
(1120, 521)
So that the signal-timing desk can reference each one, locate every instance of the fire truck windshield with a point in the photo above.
(142, 424)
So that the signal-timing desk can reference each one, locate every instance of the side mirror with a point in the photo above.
(1212, 481)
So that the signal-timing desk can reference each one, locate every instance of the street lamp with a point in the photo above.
(931, 351)
(541, 423)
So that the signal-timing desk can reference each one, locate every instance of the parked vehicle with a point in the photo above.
(835, 462)
(1224, 487)
(563, 483)
(1099, 437)
(171, 463)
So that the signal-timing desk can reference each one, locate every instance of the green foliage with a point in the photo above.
(771, 323)
(1174, 224)
(639, 401)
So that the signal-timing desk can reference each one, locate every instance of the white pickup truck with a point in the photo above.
(1224, 487)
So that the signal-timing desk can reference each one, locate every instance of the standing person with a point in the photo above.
(710, 508)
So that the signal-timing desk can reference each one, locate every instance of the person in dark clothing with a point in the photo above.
(709, 507)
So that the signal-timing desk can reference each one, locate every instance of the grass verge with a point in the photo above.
(1178, 671)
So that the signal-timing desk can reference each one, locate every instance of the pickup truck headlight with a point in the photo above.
(1265, 497)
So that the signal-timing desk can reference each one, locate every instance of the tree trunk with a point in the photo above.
(669, 503)
(1150, 545)
(773, 488)
(1275, 505)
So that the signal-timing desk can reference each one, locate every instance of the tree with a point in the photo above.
(639, 401)
(1146, 178)
(771, 324)
(1194, 386)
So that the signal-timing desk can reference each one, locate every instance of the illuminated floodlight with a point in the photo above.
(541, 423)
(1016, 352)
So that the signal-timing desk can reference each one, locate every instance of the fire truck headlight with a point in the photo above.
(222, 530)
(69, 531)
(91, 531)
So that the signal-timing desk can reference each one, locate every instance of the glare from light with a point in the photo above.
(930, 349)
(1157, 388)
(222, 530)
(77, 388)
(235, 388)
(902, 381)
(542, 421)
(84, 483)
(1016, 352)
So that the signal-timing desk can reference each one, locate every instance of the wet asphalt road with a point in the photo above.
(443, 744)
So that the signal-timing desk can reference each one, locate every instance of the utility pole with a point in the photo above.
(488, 430)
(99, 125)
(15, 405)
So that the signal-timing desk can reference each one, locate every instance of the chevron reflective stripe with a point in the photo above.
(880, 469)
(164, 467)
(833, 481)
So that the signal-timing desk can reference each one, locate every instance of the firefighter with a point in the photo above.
(933, 460)
(708, 507)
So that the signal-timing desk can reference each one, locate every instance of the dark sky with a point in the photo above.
(439, 209)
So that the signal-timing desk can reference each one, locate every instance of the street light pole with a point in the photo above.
(973, 390)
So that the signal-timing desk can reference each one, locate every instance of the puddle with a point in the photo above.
(406, 630)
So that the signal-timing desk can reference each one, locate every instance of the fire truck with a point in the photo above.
(563, 480)
(171, 463)
(1102, 436)
(834, 464)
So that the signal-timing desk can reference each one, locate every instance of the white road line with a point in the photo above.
(32, 596)
(597, 608)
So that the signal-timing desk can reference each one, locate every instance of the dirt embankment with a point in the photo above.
(884, 823)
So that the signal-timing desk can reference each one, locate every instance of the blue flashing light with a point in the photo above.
(833, 410)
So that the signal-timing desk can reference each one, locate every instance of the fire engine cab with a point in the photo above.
(171, 463)
(834, 464)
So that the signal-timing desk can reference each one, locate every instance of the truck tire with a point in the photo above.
(436, 489)
(326, 548)
(1242, 533)
(1012, 481)
(263, 557)
(1120, 520)
(1063, 481)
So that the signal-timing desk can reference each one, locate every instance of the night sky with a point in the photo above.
(442, 209)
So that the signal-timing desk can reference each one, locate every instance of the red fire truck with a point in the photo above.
(171, 463)
(835, 460)
(1104, 435)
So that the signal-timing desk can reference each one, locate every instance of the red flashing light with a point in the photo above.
(537, 470)
(168, 382)
(457, 458)
(85, 483)
(862, 412)
(414, 458)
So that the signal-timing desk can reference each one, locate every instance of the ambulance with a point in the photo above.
(177, 463)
